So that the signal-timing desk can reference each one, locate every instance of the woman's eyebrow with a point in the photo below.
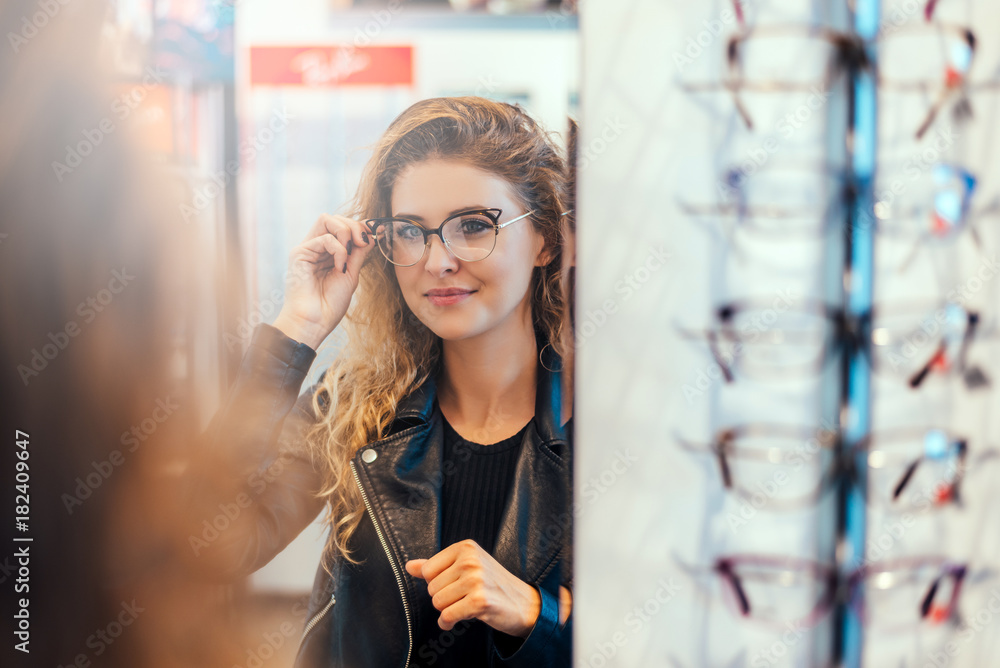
(414, 216)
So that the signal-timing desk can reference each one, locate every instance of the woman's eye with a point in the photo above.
(408, 231)
(475, 225)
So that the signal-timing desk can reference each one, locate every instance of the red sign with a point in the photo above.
(342, 65)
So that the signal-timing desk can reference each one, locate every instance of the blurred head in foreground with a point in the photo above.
(93, 284)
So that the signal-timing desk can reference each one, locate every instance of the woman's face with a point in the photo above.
(495, 289)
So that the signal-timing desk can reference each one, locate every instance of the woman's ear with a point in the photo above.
(544, 255)
(569, 248)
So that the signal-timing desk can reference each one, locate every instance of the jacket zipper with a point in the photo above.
(392, 562)
(315, 620)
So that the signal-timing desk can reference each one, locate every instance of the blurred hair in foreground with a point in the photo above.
(107, 583)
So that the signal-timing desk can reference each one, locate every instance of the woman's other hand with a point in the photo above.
(322, 277)
(466, 582)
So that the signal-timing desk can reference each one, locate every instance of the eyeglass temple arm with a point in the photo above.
(947, 90)
(959, 575)
(725, 314)
(918, 378)
(970, 332)
(738, 10)
(734, 81)
(912, 468)
(500, 226)
(721, 454)
(929, 9)
(725, 569)
(713, 345)
(904, 481)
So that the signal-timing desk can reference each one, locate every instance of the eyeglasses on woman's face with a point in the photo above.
(470, 235)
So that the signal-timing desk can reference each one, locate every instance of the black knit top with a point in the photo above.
(477, 480)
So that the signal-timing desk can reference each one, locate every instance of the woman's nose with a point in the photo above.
(439, 258)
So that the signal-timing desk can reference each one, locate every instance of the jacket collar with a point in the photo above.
(403, 483)
(419, 404)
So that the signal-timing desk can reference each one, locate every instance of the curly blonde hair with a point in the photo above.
(389, 352)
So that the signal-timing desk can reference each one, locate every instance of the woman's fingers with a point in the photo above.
(445, 579)
(456, 612)
(323, 250)
(349, 232)
(413, 567)
(451, 594)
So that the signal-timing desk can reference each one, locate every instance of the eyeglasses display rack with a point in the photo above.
(842, 268)
(855, 415)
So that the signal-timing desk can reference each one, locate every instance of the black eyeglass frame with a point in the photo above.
(492, 213)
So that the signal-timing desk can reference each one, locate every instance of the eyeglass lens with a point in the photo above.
(470, 237)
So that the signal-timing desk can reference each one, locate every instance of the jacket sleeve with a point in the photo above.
(548, 644)
(255, 487)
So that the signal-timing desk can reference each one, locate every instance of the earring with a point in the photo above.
(540, 361)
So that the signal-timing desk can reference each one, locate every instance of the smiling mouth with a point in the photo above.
(450, 292)
(450, 297)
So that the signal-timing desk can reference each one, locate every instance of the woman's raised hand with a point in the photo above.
(322, 277)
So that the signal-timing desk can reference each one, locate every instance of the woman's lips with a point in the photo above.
(448, 297)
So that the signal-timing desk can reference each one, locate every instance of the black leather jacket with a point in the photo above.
(370, 615)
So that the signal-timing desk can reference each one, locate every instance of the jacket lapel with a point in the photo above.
(404, 487)
(537, 513)
(404, 477)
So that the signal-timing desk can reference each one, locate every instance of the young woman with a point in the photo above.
(439, 442)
